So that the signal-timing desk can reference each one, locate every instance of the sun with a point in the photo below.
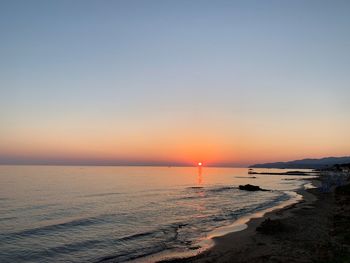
(199, 164)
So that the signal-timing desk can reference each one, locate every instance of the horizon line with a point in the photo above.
(125, 165)
(67, 162)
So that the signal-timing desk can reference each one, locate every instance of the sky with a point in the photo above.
(173, 82)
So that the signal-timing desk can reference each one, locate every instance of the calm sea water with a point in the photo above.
(116, 214)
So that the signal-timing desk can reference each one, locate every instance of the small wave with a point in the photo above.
(188, 198)
(40, 207)
(163, 236)
(7, 218)
(72, 247)
(170, 232)
(206, 192)
(52, 252)
(135, 236)
(44, 230)
(213, 189)
(274, 202)
(221, 189)
(102, 194)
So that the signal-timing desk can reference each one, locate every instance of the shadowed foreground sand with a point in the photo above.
(314, 230)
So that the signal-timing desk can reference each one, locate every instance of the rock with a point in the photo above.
(249, 187)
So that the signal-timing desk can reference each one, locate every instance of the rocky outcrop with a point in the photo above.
(249, 187)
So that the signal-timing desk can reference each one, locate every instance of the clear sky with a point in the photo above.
(129, 81)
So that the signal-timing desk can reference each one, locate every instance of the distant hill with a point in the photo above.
(305, 163)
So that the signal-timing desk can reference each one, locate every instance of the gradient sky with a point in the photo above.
(129, 81)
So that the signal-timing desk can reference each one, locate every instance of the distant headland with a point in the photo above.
(305, 163)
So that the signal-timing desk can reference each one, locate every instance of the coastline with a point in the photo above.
(301, 232)
(232, 243)
(220, 239)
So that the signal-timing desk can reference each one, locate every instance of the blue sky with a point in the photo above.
(226, 71)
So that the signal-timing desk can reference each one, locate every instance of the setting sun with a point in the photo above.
(199, 164)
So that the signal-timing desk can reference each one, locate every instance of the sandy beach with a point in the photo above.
(315, 229)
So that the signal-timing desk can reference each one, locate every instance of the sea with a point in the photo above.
(127, 214)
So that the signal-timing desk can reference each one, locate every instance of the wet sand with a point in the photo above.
(317, 229)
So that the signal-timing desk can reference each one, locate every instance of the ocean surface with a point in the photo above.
(118, 214)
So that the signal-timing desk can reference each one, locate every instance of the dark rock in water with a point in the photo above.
(249, 187)
(270, 227)
(284, 173)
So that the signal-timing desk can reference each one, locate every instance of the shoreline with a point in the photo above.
(241, 238)
(245, 228)
(217, 240)
(315, 229)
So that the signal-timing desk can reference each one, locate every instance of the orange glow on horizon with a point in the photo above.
(227, 142)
